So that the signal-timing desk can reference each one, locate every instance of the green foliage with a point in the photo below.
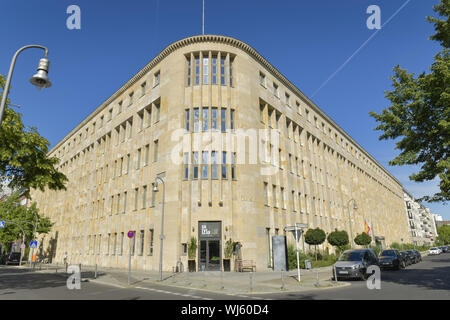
(322, 260)
(23, 155)
(229, 248)
(363, 239)
(444, 234)
(315, 237)
(192, 248)
(338, 239)
(11, 210)
(419, 115)
(409, 246)
(377, 249)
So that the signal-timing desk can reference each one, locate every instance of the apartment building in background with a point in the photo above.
(243, 153)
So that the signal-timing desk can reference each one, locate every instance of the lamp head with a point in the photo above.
(40, 79)
(155, 188)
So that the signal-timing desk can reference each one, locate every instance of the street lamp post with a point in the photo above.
(355, 207)
(40, 79)
(161, 237)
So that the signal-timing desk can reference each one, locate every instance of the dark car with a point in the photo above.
(413, 256)
(391, 258)
(418, 255)
(406, 258)
(354, 263)
(3, 259)
(444, 249)
(13, 258)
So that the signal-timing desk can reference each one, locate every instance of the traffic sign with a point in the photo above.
(130, 234)
(33, 244)
(2, 224)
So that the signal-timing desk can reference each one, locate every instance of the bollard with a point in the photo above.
(221, 280)
(282, 281)
(95, 275)
(335, 274)
(251, 281)
(317, 277)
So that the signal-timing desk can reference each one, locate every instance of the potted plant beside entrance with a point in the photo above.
(229, 248)
(192, 250)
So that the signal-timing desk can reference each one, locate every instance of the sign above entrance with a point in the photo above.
(209, 229)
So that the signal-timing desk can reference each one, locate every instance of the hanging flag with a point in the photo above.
(366, 228)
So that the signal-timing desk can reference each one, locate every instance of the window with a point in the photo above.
(233, 165)
(143, 88)
(294, 209)
(138, 160)
(150, 250)
(130, 128)
(231, 72)
(274, 195)
(101, 122)
(109, 245)
(136, 198)
(222, 71)
(283, 199)
(205, 165)
(214, 119)
(133, 244)
(186, 119)
(141, 243)
(144, 197)
(184, 249)
(197, 70)
(232, 119)
(266, 194)
(196, 119)
(224, 165)
(186, 166)
(262, 79)
(297, 104)
(214, 70)
(214, 168)
(205, 112)
(261, 112)
(122, 236)
(153, 195)
(148, 116)
(124, 202)
(112, 205)
(155, 151)
(156, 78)
(141, 120)
(99, 252)
(195, 165)
(189, 72)
(118, 204)
(147, 154)
(119, 107)
(131, 95)
(110, 114)
(287, 97)
(205, 70)
(114, 248)
(157, 110)
(223, 119)
(275, 90)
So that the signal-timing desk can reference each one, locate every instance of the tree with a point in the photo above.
(315, 237)
(419, 115)
(363, 239)
(444, 234)
(338, 239)
(23, 155)
(12, 210)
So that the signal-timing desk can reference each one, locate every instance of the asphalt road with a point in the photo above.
(429, 279)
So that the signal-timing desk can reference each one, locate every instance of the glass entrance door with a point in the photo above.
(209, 255)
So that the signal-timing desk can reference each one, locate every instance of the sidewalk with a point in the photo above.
(215, 281)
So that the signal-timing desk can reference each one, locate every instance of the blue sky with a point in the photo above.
(305, 40)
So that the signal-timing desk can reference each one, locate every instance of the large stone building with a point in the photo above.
(420, 221)
(243, 154)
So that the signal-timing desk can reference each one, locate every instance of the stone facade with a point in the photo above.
(420, 221)
(235, 142)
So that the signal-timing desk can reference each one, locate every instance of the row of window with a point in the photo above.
(116, 241)
(120, 107)
(296, 205)
(208, 118)
(210, 165)
(211, 71)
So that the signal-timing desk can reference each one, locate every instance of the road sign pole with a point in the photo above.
(129, 265)
(298, 258)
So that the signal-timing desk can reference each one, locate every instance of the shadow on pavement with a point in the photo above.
(437, 278)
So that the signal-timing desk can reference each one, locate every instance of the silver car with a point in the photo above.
(354, 263)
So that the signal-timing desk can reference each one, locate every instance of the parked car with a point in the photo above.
(13, 258)
(413, 256)
(354, 263)
(406, 258)
(444, 249)
(434, 251)
(418, 255)
(391, 258)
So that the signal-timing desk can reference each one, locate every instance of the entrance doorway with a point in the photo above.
(210, 253)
